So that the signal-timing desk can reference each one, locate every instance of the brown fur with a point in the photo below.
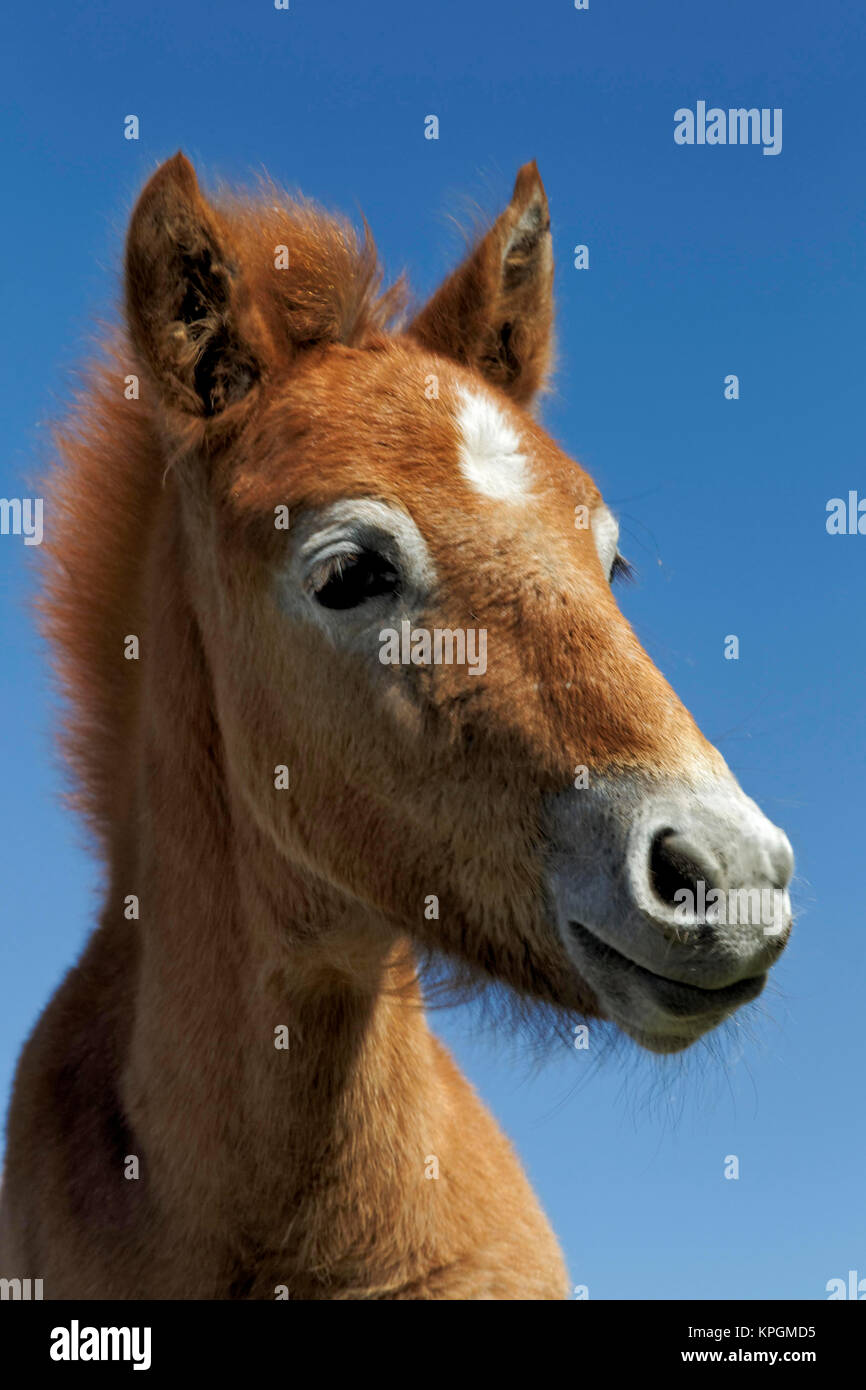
(261, 907)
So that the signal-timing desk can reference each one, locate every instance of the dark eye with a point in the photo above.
(345, 581)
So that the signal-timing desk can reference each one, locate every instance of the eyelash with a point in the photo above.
(348, 579)
(621, 569)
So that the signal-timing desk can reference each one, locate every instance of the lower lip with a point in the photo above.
(678, 1000)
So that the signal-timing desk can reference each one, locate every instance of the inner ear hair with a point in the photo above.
(525, 246)
(224, 368)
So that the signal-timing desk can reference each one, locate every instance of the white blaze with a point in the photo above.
(490, 456)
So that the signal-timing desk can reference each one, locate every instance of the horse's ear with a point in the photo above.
(187, 306)
(495, 312)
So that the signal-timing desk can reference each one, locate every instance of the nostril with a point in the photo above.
(676, 864)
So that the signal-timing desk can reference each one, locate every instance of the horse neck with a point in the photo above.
(236, 943)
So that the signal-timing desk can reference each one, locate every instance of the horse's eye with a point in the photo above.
(345, 581)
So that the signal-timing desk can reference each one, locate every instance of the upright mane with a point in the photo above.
(105, 480)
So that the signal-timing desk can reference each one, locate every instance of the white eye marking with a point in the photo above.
(605, 532)
(490, 456)
(366, 517)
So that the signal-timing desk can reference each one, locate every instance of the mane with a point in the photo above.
(103, 487)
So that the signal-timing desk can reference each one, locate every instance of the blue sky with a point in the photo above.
(704, 261)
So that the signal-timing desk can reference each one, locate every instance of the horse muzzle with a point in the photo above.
(671, 899)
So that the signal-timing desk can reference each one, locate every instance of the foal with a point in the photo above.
(235, 1093)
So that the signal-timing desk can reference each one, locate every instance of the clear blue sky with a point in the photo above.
(703, 262)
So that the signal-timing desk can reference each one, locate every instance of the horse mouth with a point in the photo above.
(660, 1013)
